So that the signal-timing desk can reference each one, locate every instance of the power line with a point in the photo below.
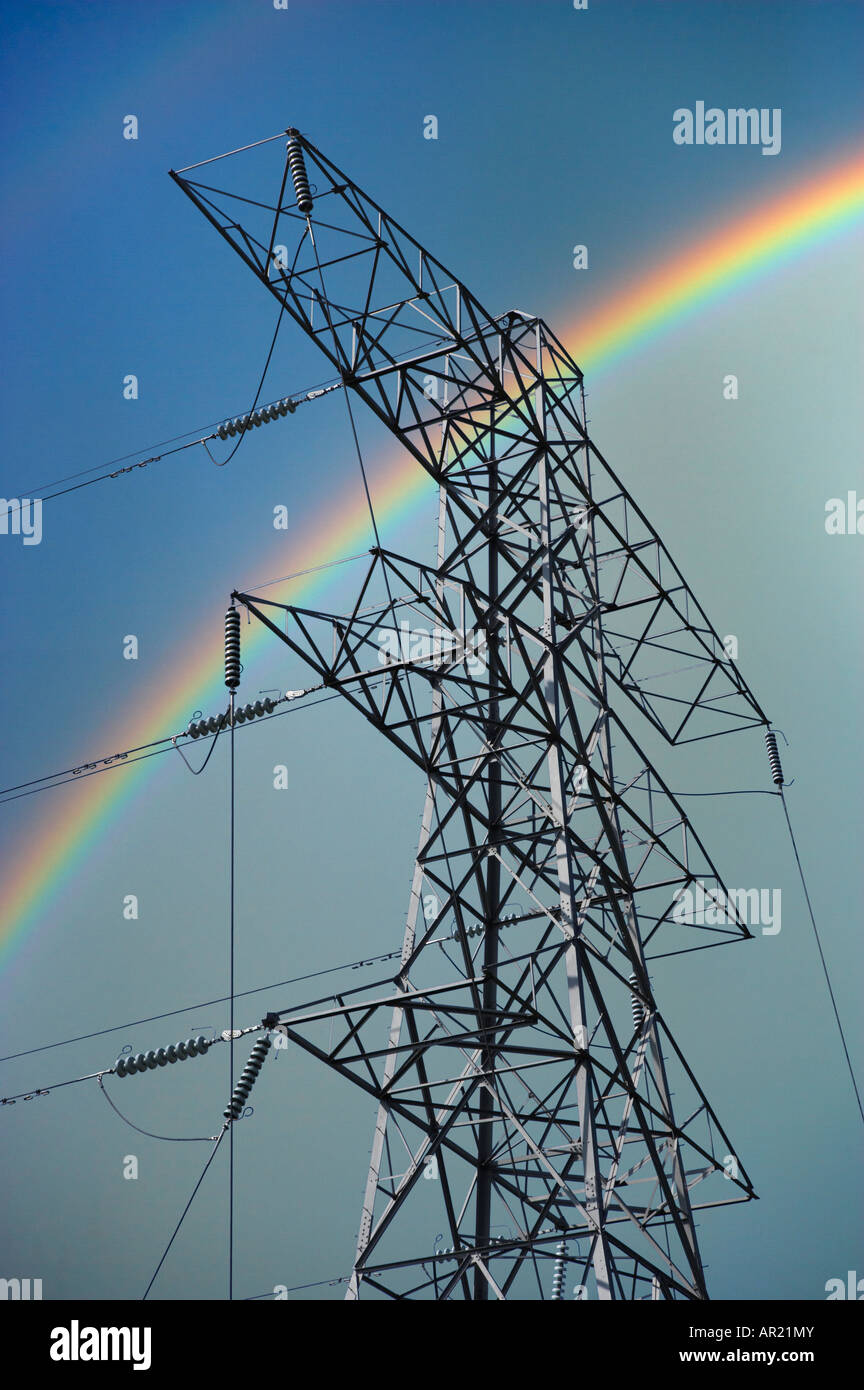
(169, 1138)
(44, 1090)
(262, 379)
(747, 791)
(202, 436)
(123, 458)
(822, 955)
(114, 760)
(111, 1071)
(156, 458)
(298, 574)
(319, 1284)
(268, 140)
(73, 772)
(191, 1008)
(231, 1035)
(81, 777)
(186, 1208)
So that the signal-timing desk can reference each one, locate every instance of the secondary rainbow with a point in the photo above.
(749, 245)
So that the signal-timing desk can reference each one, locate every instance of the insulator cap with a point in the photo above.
(636, 1007)
(558, 1275)
(297, 165)
(774, 757)
(147, 1061)
(232, 649)
(242, 715)
(247, 1079)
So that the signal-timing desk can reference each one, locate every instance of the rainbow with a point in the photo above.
(753, 243)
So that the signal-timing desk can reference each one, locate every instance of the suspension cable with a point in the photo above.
(778, 779)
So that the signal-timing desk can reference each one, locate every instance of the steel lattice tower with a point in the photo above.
(527, 1070)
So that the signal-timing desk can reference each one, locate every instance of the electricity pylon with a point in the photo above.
(525, 1085)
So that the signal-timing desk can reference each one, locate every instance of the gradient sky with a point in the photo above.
(554, 129)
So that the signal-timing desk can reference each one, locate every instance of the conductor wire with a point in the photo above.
(170, 1138)
(822, 956)
(282, 306)
(213, 1154)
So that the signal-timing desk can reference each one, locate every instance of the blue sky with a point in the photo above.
(554, 128)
